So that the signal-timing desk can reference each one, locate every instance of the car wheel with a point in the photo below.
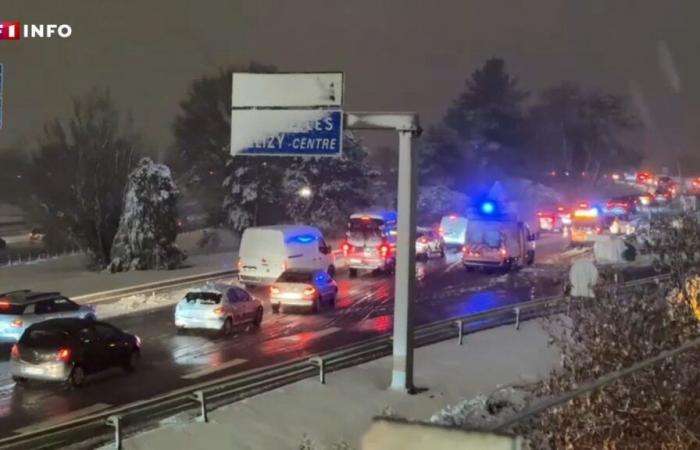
(227, 327)
(331, 271)
(19, 380)
(132, 361)
(353, 273)
(76, 377)
(258, 317)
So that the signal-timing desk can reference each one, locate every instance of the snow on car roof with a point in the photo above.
(216, 287)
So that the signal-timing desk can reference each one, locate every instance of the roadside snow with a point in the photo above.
(483, 411)
(134, 303)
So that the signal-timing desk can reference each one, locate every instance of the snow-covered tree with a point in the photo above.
(324, 191)
(252, 190)
(148, 225)
(437, 200)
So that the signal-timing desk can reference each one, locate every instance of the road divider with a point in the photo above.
(213, 369)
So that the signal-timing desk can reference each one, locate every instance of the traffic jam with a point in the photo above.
(294, 269)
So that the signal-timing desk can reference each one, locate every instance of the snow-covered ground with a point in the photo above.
(68, 275)
(342, 409)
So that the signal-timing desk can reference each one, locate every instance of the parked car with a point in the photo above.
(428, 244)
(306, 288)
(67, 350)
(266, 252)
(219, 307)
(20, 309)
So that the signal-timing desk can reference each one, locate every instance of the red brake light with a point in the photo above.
(503, 251)
(14, 353)
(17, 323)
(423, 240)
(346, 247)
(63, 354)
(384, 249)
(583, 205)
(219, 311)
(560, 209)
(274, 290)
(4, 305)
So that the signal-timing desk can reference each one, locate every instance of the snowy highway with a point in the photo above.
(363, 310)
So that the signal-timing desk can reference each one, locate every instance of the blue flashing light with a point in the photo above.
(303, 239)
(488, 207)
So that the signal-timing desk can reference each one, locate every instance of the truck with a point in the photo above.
(497, 241)
(370, 242)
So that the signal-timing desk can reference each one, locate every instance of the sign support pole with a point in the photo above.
(402, 373)
(407, 126)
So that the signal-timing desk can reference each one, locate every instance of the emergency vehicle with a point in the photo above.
(496, 240)
(370, 242)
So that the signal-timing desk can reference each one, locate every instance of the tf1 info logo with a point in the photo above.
(13, 31)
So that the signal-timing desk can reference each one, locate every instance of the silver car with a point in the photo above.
(305, 288)
(20, 309)
(218, 307)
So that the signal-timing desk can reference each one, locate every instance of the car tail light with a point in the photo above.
(441, 231)
(346, 247)
(464, 249)
(4, 305)
(503, 251)
(219, 311)
(583, 205)
(14, 353)
(384, 250)
(274, 290)
(17, 323)
(423, 240)
(309, 291)
(63, 354)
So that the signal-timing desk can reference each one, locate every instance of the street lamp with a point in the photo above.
(305, 192)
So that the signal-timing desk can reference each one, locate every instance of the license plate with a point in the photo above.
(355, 260)
(34, 370)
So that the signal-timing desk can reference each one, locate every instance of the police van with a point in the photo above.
(370, 242)
(266, 252)
(496, 240)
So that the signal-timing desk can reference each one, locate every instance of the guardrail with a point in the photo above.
(90, 430)
(154, 287)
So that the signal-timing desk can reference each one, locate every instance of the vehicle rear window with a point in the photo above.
(11, 309)
(295, 277)
(205, 298)
(44, 338)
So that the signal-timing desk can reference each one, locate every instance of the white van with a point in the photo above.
(370, 242)
(453, 230)
(266, 252)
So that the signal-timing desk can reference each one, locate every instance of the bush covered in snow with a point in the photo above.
(148, 226)
(483, 412)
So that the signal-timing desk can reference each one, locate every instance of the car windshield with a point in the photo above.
(204, 298)
(365, 228)
(295, 277)
(44, 338)
(11, 309)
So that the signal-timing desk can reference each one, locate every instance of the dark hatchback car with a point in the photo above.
(67, 350)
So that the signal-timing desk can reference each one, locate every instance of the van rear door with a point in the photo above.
(263, 252)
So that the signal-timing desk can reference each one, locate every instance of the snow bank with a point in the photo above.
(483, 411)
(583, 277)
(138, 303)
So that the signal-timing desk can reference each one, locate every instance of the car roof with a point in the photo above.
(26, 296)
(387, 216)
(289, 230)
(68, 324)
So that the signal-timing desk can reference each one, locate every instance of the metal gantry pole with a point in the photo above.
(402, 373)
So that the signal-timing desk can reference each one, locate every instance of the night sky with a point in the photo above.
(396, 54)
